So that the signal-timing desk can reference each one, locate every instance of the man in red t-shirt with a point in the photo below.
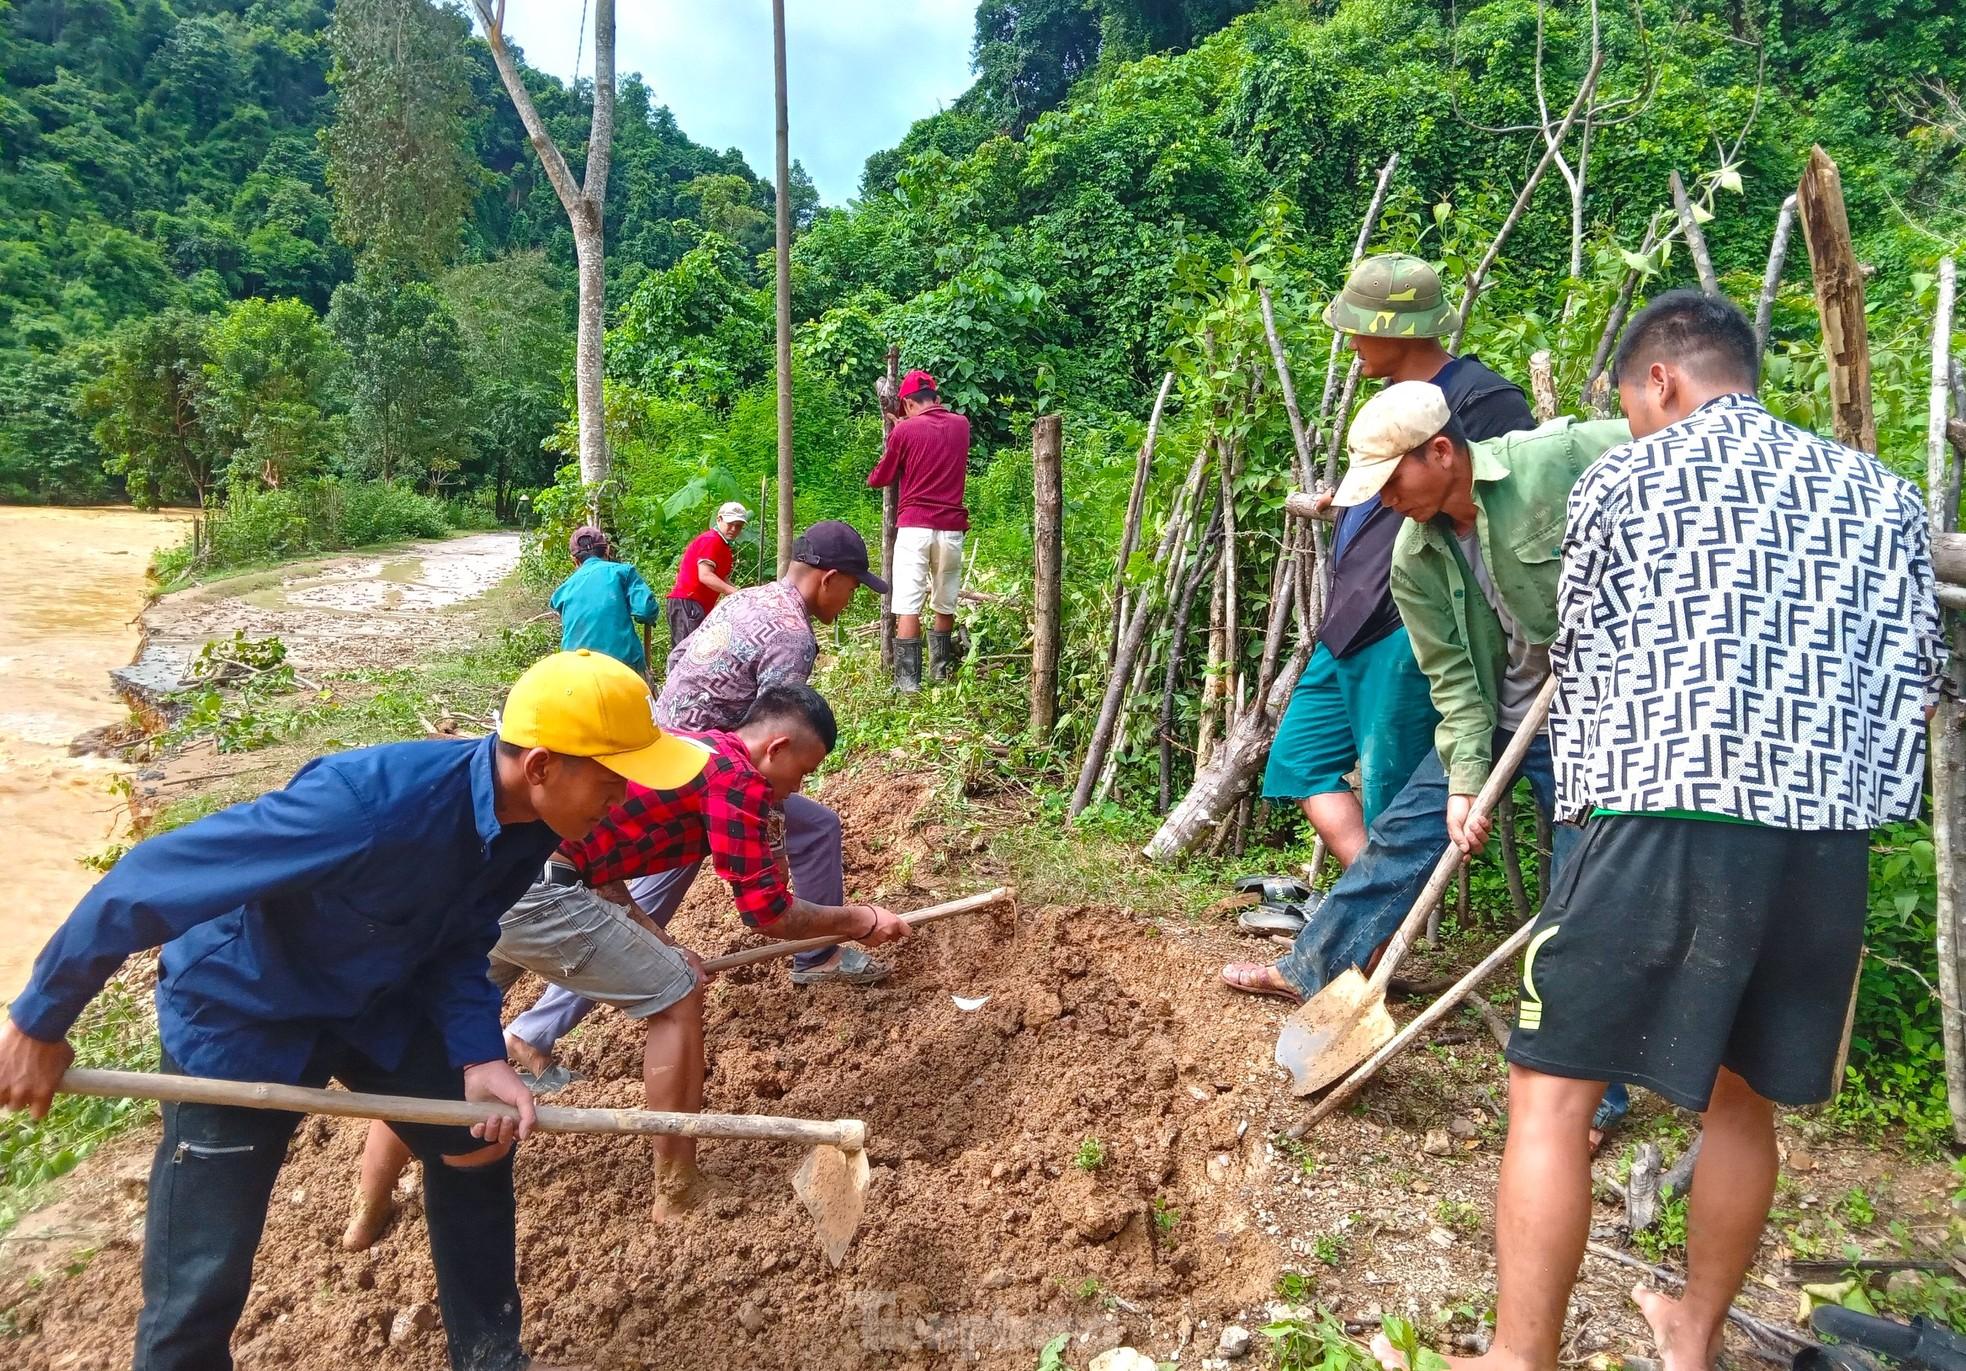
(703, 576)
(928, 454)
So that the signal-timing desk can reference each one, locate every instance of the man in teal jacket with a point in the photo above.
(603, 600)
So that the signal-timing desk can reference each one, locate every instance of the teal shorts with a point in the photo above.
(1371, 711)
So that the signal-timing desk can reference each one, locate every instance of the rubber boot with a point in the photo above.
(908, 665)
(942, 655)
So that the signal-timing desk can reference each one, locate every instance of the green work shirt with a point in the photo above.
(1521, 492)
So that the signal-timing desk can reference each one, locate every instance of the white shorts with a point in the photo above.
(925, 558)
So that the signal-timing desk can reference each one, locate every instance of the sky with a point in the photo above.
(852, 87)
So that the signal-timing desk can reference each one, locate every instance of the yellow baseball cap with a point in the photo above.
(586, 704)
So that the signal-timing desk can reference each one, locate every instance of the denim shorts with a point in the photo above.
(572, 937)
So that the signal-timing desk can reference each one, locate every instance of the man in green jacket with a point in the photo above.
(1474, 573)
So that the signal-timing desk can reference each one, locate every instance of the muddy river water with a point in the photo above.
(70, 593)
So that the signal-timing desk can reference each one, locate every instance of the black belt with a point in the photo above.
(558, 874)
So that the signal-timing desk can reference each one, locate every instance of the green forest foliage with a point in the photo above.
(163, 162)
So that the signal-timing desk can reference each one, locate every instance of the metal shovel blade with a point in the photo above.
(832, 1184)
(1332, 1032)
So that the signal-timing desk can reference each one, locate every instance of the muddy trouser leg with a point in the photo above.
(469, 1210)
(556, 1012)
(818, 862)
(209, 1183)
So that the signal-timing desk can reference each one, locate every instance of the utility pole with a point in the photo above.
(784, 292)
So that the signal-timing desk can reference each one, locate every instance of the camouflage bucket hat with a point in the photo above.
(1393, 296)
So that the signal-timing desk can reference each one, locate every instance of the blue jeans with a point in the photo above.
(812, 850)
(215, 1169)
(1378, 890)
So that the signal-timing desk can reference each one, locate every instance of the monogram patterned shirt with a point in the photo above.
(1746, 627)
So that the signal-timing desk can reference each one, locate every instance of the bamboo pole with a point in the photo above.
(1048, 500)
(1136, 508)
(1839, 282)
(1696, 241)
(1771, 279)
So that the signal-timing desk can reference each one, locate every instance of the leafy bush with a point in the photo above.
(1897, 1052)
(257, 527)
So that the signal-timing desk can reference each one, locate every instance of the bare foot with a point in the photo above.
(677, 1190)
(1390, 1358)
(1680, 1345)
(525, 1055)
(367, 1223)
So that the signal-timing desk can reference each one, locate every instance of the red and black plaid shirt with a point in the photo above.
(726, 813)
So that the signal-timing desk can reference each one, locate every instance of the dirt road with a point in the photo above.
(372, 609)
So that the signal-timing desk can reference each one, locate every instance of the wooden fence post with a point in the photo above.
(1839, 300)
(1048, 501)
(890, 506)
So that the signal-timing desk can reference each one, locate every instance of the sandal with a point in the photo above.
(1253, 978)
(851, 967)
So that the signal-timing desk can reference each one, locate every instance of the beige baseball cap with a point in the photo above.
(1386, 428)
(733, 512)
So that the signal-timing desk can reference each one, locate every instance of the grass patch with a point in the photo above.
(118, 1029)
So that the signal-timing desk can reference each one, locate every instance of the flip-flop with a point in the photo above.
(551, 1081)
(1287, 918)
(1238, 976)
(851, 967)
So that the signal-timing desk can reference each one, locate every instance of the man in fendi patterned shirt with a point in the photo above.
(1746, 650)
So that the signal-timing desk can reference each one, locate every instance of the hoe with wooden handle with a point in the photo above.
(832, 1183)
(1346, 1022)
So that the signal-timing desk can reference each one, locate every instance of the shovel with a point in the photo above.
(1346, 1022)
(832, 1183)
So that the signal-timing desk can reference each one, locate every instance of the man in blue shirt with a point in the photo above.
(600, 604)
(340, 928)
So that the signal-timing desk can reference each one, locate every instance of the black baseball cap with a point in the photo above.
(834, 546)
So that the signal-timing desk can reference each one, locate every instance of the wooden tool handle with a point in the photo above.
(1499, 780)
(1422, 1021)
(920, 916)
(850, 1134)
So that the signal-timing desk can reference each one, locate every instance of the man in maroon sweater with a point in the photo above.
(928, 454)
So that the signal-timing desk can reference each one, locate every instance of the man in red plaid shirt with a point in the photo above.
(572, 930)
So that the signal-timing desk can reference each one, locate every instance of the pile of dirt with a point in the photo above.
(983, 1231)
(1104, 1148)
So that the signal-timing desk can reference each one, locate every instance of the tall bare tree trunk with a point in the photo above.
(584, 203)
(784, 256)
(1948, 724)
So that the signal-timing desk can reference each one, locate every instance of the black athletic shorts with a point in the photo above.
(1671, 947)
